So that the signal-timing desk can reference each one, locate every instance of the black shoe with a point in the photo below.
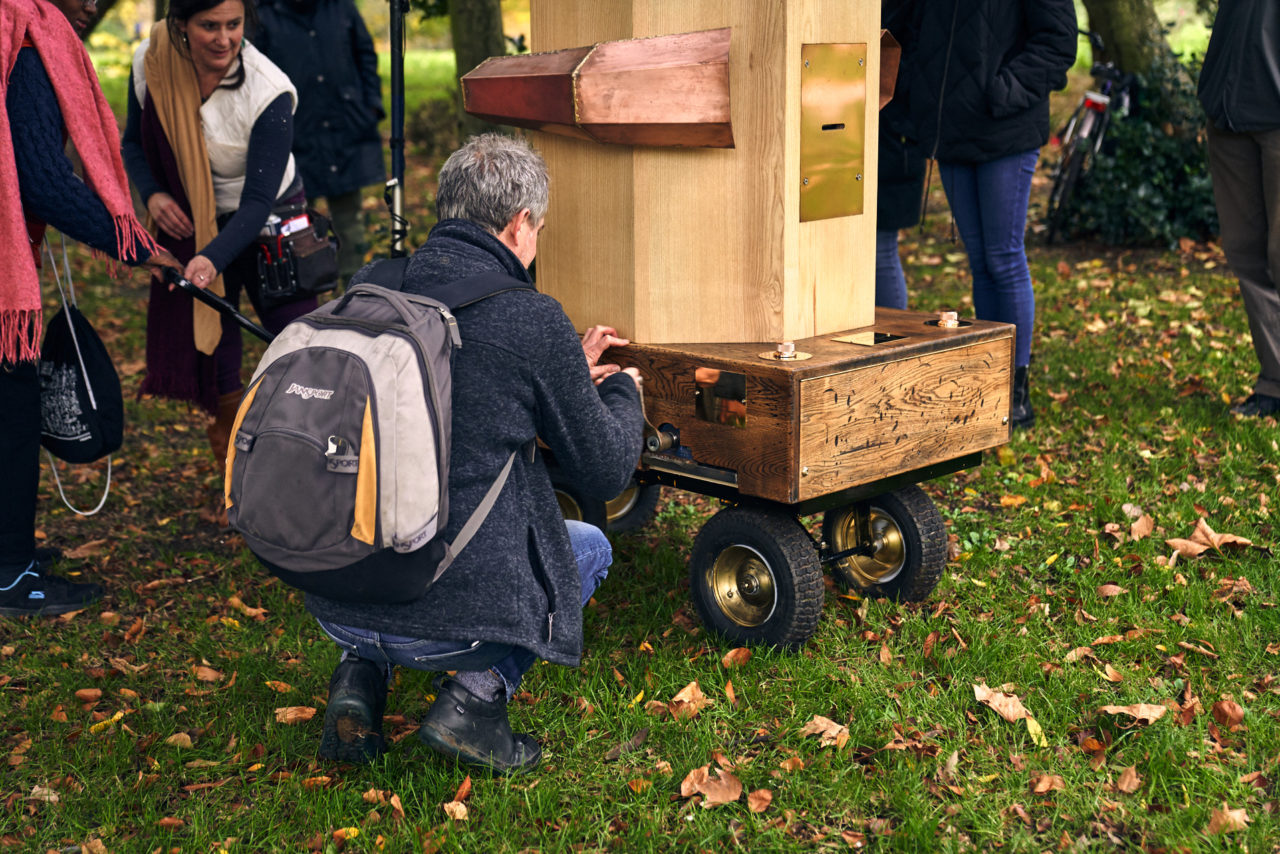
(1021, 415)
(26, 591)
(1256, 405)
(353, 717)
(476, 732)
(47, 556)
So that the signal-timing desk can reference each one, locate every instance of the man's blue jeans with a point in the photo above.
(891, 284)
(593, 553)
(989, 202)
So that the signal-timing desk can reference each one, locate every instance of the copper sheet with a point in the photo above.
(833, 97)
(662, 91)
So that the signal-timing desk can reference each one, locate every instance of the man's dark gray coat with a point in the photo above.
(520, 373)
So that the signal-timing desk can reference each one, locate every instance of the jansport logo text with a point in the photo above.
(307, 393)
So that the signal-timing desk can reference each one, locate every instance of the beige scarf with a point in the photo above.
(175, 91)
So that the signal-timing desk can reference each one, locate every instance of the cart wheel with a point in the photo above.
(633, 508)
(574, 505)
(904, 540)
(755, 577)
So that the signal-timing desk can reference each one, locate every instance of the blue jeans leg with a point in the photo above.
(891, 285)
(989, 202)
(593, 553)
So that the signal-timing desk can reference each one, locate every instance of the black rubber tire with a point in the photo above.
(1064, 186)
(575, 505)
(923, 544)
(775, 545)
(634, 508)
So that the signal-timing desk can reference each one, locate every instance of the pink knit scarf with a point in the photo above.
(93, 130)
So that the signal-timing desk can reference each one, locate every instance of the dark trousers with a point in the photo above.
(20, 438)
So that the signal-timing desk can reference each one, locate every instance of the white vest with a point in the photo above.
(227, 119)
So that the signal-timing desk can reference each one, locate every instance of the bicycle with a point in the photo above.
(1081, 138)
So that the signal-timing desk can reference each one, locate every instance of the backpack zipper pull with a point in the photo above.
(452, 323)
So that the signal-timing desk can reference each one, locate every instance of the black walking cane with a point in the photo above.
(216, 302)
(394, 195)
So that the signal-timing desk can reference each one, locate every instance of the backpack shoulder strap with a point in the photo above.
(387, 273)
(473, 289)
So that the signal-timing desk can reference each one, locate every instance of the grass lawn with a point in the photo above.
(152, 722)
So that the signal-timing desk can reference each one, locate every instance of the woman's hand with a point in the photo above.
(200, 272)
(168, 215)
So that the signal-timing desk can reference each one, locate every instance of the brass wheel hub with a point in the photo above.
(888, 552)
(742, 585)
(569, 508)
(621, 506)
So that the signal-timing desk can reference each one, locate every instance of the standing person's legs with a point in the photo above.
(891, 285)
(1004, 188)
(23, 588)
(1246, 191)
(347, 213)
(960, 181)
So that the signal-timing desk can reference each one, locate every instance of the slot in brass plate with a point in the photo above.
(833, 99)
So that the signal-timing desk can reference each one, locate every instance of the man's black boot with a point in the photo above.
(1021, 415)
(353, 717)
(1258, 405)
(474, 731)
(26, 591)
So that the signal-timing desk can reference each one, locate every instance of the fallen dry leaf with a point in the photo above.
(723, 788)
(1111, 674)
(279, 687)
(1008, 706)
(89, 695)
(1227, 820)
(794, 763)
(759, 800)
(1142, 528)
(1228, 713)
(208, 674)
(1042, 783)
(171, 823)
(1079, 653)
(1143, 713)
(729, 693)
(43, 794)
(397, 808)
(295, 714)
(1108, 590)
(639, 784)
(1129, 781)
(179, 739)
(686, 704)
(830, 733)
(464, 790)
(85, 550)
(456, 811)
(736, 657)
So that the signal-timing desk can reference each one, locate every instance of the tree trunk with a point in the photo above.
(476, 27)
(1131, 33)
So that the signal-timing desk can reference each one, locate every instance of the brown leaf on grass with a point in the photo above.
(1107, 639)
(1142, 528)
(180, 740)
(736, 657)
(1007, 706)
(634, 743)
(830, 733)
(1186, 548)
(1012, 500)
(1080, 652)
(89, 549)
(375, 796)
(794, 763)
(1230, 588)
(723, 788)
(759, 800)
(43, 794)
(929, 642)
(89, 695)
(279, 687)
(1108, 590)
(1143, 713)
(456, 811)
(295, 714)
(253, 613)
(1227, 821)
(686, 704)
(320, 782)
(1129, 781)
(1195, 648)
(1204, 538)
(1228, 713)
(657, 709)
(886, 656)
(639, 784)
(1042, 783)
(729, 693)
(208, 674)
(397, 808)
(1111, 674)
(170, 823)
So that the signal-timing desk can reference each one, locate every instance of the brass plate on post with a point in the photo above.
(833, 99)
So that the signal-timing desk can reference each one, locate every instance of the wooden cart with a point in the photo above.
(713, 181)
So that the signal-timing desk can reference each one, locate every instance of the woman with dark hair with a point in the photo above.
(981, 73)
(207, 142)
(50, 94)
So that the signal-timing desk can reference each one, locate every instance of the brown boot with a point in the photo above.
(219, 431)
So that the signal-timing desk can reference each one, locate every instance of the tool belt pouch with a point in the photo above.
(297, 257)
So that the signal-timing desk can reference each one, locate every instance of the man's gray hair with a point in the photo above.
(491, 179)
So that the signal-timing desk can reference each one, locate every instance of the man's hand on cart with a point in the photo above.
(161, 259)
(594, 343)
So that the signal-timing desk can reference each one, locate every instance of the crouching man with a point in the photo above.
(514, 595)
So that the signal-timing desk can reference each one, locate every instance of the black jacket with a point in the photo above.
(981, 73)
(520, 373)
(1240, 81)
(325, 48)
(901, 162)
